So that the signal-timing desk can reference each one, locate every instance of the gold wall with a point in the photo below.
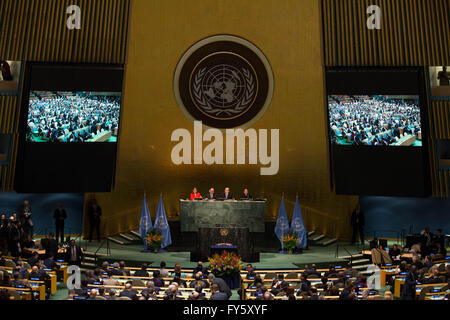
(289, 34)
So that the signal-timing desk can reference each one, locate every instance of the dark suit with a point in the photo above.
(74, 257)
(228, 196)
(59, 216)
(219, 296)
(223, 287)
(129, 294)
(49, 263)
(24, 216)
(409, 288)
(209, 196)
(94, 214)
(141, 273)
(246, 197)
(51, 248)
(357, 222)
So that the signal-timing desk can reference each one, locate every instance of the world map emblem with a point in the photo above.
(223, 81)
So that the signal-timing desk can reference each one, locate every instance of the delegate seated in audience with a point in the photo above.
(304, 283)
(90, 278)
(223, 287)
(198, 281)
(49, 262)
(312, 271)
(105, 266)
(172, 293)
(33, 259)
(251, 273)
(110, 281)
(177, 279)
(323, 284)
(142, 272)
(93, 294)
(150, 291)
(162, 270)
(38, 274)
(128, 292)
(428, 262)
(159, 283)
(23, 272)
(267, 296)
(201, 294)
(331, 273)
(111, 294)
(125, 272)
(395, 253)
(115, 269)
(177, 268)
(216, 294)
(277, 284)
(200, 268)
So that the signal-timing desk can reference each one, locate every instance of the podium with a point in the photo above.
(239, 237)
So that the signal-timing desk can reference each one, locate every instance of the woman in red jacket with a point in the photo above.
(195, 194)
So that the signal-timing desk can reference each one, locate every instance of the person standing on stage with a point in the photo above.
(94, 214)
(245, 195)
(60, 215)
(211, 195)
(25, 218)
(195, 194)
(227, 195)
(357, 223)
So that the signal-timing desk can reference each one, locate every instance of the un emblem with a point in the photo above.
(223, 81)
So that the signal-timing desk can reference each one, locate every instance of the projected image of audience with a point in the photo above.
(375, 120)
(62, 116)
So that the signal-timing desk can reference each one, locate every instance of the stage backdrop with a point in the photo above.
(288, 34)
(43, 206)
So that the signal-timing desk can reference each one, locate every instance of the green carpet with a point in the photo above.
(321, 256)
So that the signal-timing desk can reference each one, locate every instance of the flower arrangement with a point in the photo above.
(225, 264)
(154, 239)
(290, 240)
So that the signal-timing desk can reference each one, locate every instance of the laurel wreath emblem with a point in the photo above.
(240, 105)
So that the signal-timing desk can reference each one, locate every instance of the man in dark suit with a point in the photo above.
(49, 262)
(227, 195)
(216, 294)
(94, 214)
(74, 254)
(221, 284)
(210, 195)
(357, 222)
(60, 215)
(143, 272)
(313, 271)
(33, 259)
(200, 267)
(409, 288)
(51, 246)
(24, 212)
(245, 195)
(128, 292)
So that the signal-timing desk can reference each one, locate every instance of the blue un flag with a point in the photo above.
(162, 225)
(297, 225)
(282, 226)
(146, 221)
